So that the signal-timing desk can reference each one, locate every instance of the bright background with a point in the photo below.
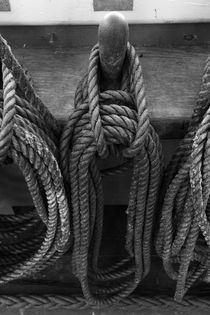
(35, 12)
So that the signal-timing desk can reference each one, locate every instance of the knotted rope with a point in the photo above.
(183, 240)
(28, 137)
(104, 123)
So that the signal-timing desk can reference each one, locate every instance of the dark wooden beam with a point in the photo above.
(163, 35)
(172, 78)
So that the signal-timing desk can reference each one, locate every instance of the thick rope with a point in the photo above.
(28, 137)
(103, 123)
(78, 302)
(183, 240)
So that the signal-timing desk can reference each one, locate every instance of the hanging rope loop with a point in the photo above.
(29, 135)
(110, 122)
(183, 239)
(23, 82)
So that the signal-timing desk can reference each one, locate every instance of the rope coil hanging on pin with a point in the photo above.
(29, 136)
(183, 239)
(103, 123)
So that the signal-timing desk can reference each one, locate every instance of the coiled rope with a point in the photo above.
(183, 240)
(29, 138)
(104, 123)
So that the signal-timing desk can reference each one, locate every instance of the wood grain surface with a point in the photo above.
(141, 35)
(172, 79)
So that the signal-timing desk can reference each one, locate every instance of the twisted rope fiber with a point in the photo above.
(58, 302)
(183, 239)
(104, 123)
(29, 138)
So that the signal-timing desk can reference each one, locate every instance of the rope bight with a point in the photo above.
(104, 123)
(29, 137)
(183, 238)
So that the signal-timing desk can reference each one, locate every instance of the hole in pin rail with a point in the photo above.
(190, 37)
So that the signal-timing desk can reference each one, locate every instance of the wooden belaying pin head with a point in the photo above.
(113, 37)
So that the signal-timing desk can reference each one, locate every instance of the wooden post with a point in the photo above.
(113, 35)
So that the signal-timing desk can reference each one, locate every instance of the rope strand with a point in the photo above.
(29, 136)
(184, 231)
(110, 122)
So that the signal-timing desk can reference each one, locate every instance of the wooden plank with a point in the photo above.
(155, 35)
(160, 35)
(172, 79)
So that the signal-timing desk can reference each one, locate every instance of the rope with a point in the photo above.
(110, 123)
(183, 239)
(29, 137)
(135, 303)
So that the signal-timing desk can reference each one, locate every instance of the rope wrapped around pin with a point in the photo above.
(183, 239)
(28, 137)
(104, 123)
